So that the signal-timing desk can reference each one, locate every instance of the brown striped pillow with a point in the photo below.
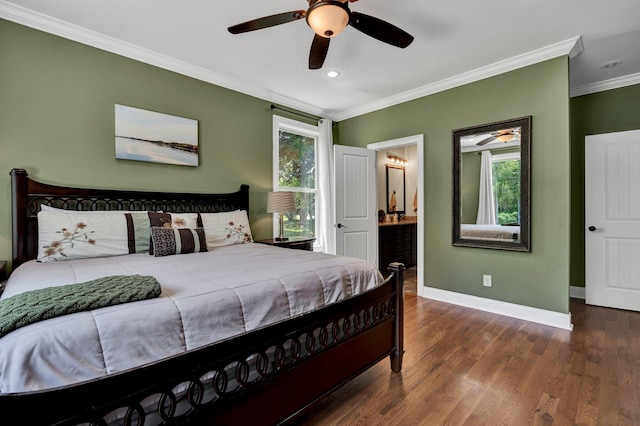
(169, 241)
(158, 219)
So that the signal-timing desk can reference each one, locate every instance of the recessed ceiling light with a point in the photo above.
(611, 64)
(332, 73)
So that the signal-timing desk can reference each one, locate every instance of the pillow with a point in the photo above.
(226, 228)
(171, 220)
(169, 241)
(158, 219)
(184, 220)
(77, 235)
(138, 231)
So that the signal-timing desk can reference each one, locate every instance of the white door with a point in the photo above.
(355, 201)
(612, 220)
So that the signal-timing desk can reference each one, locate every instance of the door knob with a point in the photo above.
(593, 228)
(340, 226)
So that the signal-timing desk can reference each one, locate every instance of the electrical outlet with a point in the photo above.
(486, 280)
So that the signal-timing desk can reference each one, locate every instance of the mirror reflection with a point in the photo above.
(395, 189)
(491, 185)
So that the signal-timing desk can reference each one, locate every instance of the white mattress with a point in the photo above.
(205, 297)
(489, 232)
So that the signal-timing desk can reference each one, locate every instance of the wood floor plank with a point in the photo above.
(464, 408)
(587, 412)
(545, 410)
(466, 367)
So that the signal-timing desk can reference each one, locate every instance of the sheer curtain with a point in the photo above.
(326, 211)
(486, 204)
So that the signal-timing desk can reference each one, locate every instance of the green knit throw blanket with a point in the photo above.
(37, 305)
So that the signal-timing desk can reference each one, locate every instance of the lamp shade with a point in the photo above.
(280, 202)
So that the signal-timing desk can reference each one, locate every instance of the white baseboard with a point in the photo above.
(578, 292)
(527, 313)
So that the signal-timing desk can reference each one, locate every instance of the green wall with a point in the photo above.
(57, 120)
(541, 278)
(603, 112)
(57, 102)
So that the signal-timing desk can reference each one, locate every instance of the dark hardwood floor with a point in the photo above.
(468, 367)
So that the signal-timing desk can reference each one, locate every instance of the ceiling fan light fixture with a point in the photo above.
(328, 18)
(505, 137)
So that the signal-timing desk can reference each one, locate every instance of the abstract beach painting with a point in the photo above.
(143, 135)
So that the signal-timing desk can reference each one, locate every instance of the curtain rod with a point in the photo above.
(294, 112)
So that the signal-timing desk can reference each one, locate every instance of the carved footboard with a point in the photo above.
(262, 377)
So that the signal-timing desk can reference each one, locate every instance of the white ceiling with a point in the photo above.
(455, 42)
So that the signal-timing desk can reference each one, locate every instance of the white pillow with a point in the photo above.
(226, 228)
(65, 235)
(184, 220)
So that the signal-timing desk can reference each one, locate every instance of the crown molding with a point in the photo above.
(570, 46)
(601, 86)
(63, 29)
(48, 24)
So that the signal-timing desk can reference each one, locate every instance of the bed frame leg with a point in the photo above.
(398, 327)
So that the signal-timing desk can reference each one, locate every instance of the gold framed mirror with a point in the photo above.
(492, 185)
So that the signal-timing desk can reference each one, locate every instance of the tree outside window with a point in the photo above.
(296, 172)
(506, 188)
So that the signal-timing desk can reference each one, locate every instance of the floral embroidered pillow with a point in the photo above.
(223, 229)
(184, 220)
(65, 236)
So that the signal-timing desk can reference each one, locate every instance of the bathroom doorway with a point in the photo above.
(406, 154)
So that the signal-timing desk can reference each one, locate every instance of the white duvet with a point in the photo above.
(205, 297)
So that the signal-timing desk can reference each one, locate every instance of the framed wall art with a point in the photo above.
(142, 135)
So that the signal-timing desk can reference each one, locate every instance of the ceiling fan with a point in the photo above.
(328, 18)
(502, 135)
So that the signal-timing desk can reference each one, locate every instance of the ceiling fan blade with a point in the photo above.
(319, 49)
(380, 30)
(486, 140)
(267, 21)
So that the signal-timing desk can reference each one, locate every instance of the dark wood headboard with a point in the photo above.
(28, 195)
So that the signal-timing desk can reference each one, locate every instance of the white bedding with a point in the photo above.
(489, 232)
(205, 297)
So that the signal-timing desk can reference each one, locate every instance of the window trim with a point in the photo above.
(495, 158)
(304, 129)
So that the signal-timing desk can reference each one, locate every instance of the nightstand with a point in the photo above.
(299, 243)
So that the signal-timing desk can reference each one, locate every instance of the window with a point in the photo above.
(506, 187)
(294, 169)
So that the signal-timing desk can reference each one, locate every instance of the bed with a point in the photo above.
(490, 232)
(299, 336)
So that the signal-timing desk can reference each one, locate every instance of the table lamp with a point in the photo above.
(281, 202)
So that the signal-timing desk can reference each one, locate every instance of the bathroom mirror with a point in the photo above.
(492, 185)
(395, 189)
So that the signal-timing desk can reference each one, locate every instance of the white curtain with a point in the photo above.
(486, 204)
(326, 211)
